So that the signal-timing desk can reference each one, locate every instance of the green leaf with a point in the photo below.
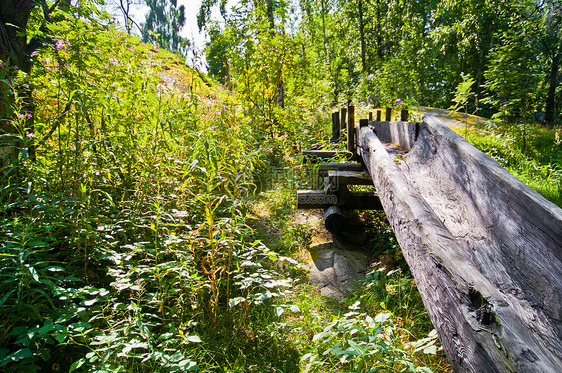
(234, 301)
(24, 353)
(431, 350)
(77, 364)
(194, 339)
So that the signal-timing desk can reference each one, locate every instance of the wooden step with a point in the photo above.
(338, 178)
(323, 168)
(320, 199)
(315, 155)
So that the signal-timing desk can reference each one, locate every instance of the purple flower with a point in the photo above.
(31, 135)
(29, 115)
(398, 101)
(59, 44)
(21, 116)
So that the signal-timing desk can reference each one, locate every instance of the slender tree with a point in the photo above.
(163, 24)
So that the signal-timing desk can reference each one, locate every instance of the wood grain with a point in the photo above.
(485, 250)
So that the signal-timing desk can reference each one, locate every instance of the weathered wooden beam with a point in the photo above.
(388, 114)
(484, 249)
(343, 116)
(403, 134)
(335, 220)
(320, 199)
(323, 168)
(337, 178)
(314, 155)
(335, 127)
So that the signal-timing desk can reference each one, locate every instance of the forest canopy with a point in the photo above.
(373, 52)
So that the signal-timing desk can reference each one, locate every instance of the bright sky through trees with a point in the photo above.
(190, 31)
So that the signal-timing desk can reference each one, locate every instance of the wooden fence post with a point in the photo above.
(343, 126)
(335, 126)
(351, 129)
(388, 114)
(370, 116)
(404, 115)
(379, 115)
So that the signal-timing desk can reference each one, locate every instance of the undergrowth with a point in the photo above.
(125, 246)
(382, 326)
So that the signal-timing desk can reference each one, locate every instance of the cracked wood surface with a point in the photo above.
(485, 250)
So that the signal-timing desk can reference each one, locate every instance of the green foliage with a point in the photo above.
(514, 79)
(356, 341)
(130, 243)
(124, 247)
(463, 92)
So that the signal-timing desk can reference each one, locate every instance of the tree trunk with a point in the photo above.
(14, 52)
(280, 84)
(484, 249)
(553, 82)
(324, 32)
(379, 32)
(362, 35)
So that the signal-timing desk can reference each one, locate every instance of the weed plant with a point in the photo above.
(125, 245)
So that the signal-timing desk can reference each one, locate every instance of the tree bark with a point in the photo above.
(280, 84)
(15, 54)
(379, 32)
(324, 32)
(484, 249)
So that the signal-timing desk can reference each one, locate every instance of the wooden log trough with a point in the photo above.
(485, 250)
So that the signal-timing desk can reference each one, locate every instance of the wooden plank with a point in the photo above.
(319, 199)
(484, 249)
(323, 168)
(325, 154)
(337, 178)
